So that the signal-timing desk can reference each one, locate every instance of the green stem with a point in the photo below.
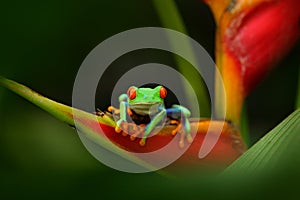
(170, 18)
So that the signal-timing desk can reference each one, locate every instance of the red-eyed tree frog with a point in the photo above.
(145, 106)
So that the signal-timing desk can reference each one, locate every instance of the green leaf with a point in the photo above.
(298, 92)
(85, 122)
(170, 18)
(58, 110)
(245, 125)
(276, 151)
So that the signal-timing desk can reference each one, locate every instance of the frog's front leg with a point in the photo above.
(154, 122)
(184, 124)
(123, 99)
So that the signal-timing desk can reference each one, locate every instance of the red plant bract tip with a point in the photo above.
(252, 37)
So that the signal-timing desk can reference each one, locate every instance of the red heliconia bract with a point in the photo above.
(252, 37)
(228, 147)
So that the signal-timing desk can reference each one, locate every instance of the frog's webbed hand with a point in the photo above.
(154, 122)
(184, 125)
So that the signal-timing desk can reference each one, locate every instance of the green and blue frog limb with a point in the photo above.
(145, 107)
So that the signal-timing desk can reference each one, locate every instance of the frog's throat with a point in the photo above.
(146, 108)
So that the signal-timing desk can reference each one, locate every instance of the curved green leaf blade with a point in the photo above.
(84, 122)
(58, 110)
(298, 93)
(170, 18)
(277, 150)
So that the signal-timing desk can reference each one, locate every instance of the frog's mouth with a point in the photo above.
(146, 108)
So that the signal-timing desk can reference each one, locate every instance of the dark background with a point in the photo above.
(43, 44)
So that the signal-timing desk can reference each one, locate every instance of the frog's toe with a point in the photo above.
(189, 138)
(132, 137)
(113, 110)
(119, 126)
(118, 129)
(178, 127)
(143, 142)
(184, 136)
(181, 143)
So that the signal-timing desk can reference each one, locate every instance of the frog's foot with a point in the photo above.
(143, 141)
(184, 135)
(118, 129)
(184, 132)
(121, 125)
(137, 131)
(113, 110)
(129, 129)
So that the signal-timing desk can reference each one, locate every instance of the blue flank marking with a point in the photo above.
(173, 112)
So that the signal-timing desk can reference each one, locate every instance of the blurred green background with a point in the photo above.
(43, 43)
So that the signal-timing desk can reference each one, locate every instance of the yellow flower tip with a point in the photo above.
(132, 138)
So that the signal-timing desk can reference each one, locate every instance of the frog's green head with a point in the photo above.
(146, 95)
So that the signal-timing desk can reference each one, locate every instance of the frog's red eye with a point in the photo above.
(163, 92)
(131, 93)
